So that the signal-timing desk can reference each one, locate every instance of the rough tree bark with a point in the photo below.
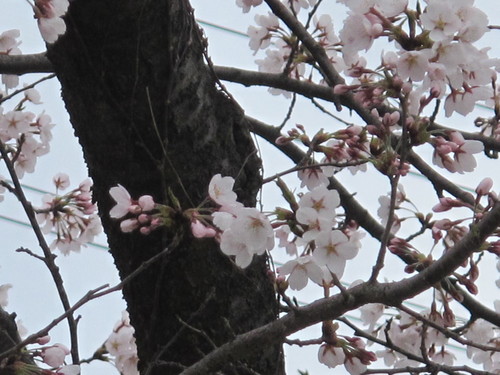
(148, 115)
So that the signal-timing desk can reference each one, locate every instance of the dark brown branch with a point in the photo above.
(24, 64)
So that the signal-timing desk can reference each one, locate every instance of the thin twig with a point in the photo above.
(49, 257)
(89, 296)
(27, 87)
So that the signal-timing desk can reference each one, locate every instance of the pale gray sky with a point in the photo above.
(33, 296)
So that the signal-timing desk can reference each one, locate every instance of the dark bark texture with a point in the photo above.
(148, 115)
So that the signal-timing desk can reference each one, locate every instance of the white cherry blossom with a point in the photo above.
(330, 355)
(333, 248)
(220, 189)
(301, 270)
(322, 201)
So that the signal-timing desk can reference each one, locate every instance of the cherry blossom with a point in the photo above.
(322, 201)
(121, 346)
(370, 314)
(200, 231)
(72, 216)
(247, 4)
(462, 151)
(221, 191)
(260, 37)
(282, 234)
(49, 13)
(122, 199)
(61, 180)
(301, 270)
(231, 245)
(441, 20)
(248, 233)
(333, 248)
(330, 355)
(54, 355)
(312, 177)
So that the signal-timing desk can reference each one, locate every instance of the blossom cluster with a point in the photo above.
(343, 350)
(406, 332)
(438, 62)
(121, 346)
(25, 136)
(135, 214)
(72, 216)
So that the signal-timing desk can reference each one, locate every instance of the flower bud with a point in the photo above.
(484, 186)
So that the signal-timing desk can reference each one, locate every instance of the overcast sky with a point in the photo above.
(33, 296)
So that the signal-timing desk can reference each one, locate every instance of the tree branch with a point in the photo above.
(24, 64)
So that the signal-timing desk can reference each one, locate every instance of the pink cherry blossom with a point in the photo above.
(61, 181)
(461, 149)
(49, 13)
(122, 199)
(260, 37)
(201, 231)
(129, 225)
(8, 40)
(413, 64)
(371, 313)
(441, 20)
(14, 123)
(146, 202)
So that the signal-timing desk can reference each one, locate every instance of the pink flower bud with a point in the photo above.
(134, 209)
(484, 186)
(146, 202)
(145, 230)
(54, 355)
(129, 225)
(43, 340)
(200, 231)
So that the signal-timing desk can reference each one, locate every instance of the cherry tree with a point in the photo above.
(175, 177)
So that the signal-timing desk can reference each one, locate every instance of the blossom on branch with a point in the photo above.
(48, 14)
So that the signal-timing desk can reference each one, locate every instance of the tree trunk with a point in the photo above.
(149, 117)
